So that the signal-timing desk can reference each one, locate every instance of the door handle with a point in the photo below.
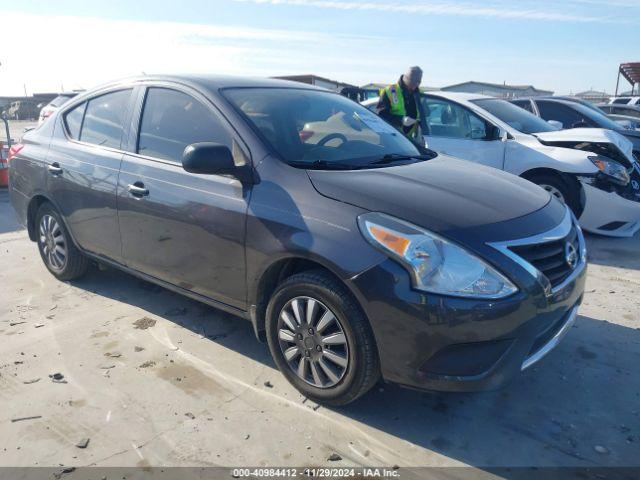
(138, 189)
(55, 169)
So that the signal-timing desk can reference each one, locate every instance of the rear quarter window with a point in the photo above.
(104, 119)
(73, 120)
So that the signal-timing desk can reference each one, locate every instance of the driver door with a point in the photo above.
(452, 129)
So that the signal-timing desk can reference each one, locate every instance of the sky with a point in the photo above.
(566, 46)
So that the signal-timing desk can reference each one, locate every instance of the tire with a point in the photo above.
(318, 289)
(57, 250)
(565, 191)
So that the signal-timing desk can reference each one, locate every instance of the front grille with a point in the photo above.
(550, 257)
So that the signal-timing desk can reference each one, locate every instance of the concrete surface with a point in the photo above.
(196, 388)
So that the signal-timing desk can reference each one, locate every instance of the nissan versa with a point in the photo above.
(356, 256)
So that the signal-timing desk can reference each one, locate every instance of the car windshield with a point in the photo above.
(514, 116)
(317, 129)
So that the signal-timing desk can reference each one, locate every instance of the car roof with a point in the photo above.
(215, 82)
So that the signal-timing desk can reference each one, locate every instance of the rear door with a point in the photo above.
(453, 129)
(83, 164)
(182, 228)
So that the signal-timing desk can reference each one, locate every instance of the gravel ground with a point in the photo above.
(152, 378)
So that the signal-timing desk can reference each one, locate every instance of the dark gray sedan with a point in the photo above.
(353, 252)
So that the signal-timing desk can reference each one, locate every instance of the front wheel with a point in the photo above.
(565, 191)
(58, 252)
(320, 339)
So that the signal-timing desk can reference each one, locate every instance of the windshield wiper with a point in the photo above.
(394, 157)
(324, 165)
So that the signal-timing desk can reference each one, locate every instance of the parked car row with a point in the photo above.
(355, 253)
(592, 170)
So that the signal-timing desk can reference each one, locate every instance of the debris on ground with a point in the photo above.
(57, 378)
(33, 380)
(107, 367)
(147, 364)
(38, 325)
(12, 324)
(113, 355)
(268, 384)
(247, 436)
(138, 349)
(144, 323)
(20, 419)
(334, 457)
(190, 415)
(83, 443)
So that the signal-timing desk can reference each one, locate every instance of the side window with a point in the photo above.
(73, 120)
(630, 112)
(171, 120)
(558, 112)
(622, 101)
(448, 119)
(104, 119)
(526, 104)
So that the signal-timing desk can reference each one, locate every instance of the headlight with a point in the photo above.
(611, 168)
(436, 265)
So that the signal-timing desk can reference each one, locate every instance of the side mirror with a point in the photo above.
(492, 132)
(556, 124)
(208, 158)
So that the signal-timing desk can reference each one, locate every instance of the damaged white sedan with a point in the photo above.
(593, 171)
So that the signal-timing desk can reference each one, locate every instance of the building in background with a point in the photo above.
(497, 90)
(351, 91)
(25, 108)
(594, 96)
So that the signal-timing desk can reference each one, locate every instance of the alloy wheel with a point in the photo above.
(313, 342)
(53, 243)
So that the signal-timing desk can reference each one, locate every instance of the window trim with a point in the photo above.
(65, 123)
(138, 110)
(86, 99)
(464, 107)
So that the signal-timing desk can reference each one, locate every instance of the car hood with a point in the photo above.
(589, 135)
(440, 194)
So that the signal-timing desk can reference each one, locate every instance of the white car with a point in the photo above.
(592, 170)
(625, 101)
(53, 105)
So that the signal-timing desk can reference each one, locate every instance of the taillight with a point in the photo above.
(13, 151)
(305, 135)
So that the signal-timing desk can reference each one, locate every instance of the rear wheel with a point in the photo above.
(565, 191)
(320, 339)
(58, 252)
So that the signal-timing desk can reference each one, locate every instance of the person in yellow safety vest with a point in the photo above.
(399, 104)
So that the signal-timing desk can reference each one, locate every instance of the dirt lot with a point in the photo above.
(152, 378)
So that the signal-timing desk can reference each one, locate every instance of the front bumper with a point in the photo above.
(608, 213)
(435, 342)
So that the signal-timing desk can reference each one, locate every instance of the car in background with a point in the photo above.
(591, 170)
(628, 100)
(571, 114)
(626, 110)
(626, 122)
(370, 257)
(531, 105)
(53, 105)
